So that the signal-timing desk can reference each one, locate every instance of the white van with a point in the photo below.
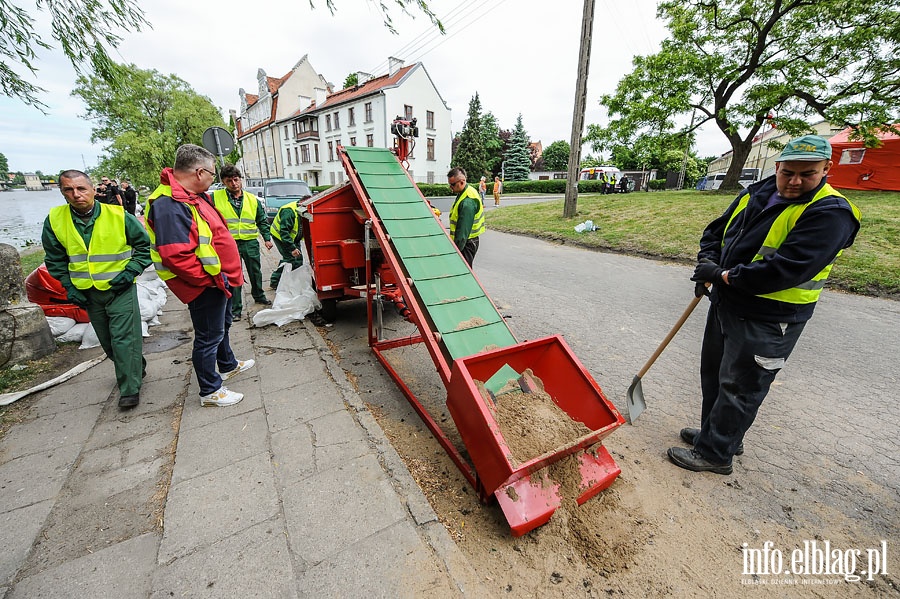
(714, 181)
(595, 173)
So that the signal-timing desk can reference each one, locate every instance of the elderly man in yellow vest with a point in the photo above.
(246, 219)
(767, 258)
(466, 215)
(96, 250)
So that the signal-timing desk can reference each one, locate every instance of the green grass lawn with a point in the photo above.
(667, 225)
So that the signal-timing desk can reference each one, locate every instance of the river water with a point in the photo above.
(22, 215)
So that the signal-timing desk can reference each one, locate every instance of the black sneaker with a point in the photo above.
(689, 436)
(264, 301)
(129, 401)
(690, 459)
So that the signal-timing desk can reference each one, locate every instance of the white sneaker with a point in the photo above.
(223, 397)
(241, 367)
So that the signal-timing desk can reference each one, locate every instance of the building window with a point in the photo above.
(304, 153)
(332, 177)
(328, 122)
(351, 117)
(314, 125)
(289, 157)
(296, 155)
(286, 132)
(368, 108)
(370, 140)
(330, 151)
(352, 141)
(407, 111)
(430, 148)
(316, 147)
(429, 119)
(337, 120)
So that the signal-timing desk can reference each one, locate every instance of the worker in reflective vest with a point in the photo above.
(466, 215)
(287, 234)
(767, 258)
(246, 219)
(96, 251)
(195, 254)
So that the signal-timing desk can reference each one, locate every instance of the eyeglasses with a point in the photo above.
(453, 184)
(213, 173)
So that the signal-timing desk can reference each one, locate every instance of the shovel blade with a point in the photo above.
(636, 403)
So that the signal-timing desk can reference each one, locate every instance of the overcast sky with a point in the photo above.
(519, 55)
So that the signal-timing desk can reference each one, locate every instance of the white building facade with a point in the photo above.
(362, 116)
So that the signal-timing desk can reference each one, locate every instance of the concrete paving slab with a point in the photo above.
(214, 506)
(35, 477)
(291, 335)
(256, 562)
(104, 459)
(55, 430)
(126, 426)
(389, 563)
(219, 444)
(17, 531)
(148, 447)
(77, 395)
(334, 509)
(311, 400)
(293, 455)
(289, 369)
(103, 485)
(118, 572)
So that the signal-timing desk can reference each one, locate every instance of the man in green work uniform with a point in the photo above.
(96, 250)
(287, 234)
(466, 215)
(246, 219)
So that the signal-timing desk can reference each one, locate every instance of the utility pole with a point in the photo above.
(584, 60)
(687, 147)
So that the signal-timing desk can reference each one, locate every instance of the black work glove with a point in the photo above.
(707, 271)
(77, 297)
(701, 289)
(122, 283)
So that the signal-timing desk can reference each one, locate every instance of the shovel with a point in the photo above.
(636, 403)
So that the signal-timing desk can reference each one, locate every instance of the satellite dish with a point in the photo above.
(218, 141)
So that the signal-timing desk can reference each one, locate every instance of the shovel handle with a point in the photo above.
(672, 333)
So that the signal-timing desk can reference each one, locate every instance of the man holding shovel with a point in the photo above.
(767, 258)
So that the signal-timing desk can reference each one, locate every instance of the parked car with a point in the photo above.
(278, 192)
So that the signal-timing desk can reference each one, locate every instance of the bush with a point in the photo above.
(657, 184)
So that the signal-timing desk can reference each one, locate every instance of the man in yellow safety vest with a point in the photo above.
(466, 215)
(767, 258)
(96, 251)
(246, 219)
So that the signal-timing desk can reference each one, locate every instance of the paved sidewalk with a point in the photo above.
(294, 492)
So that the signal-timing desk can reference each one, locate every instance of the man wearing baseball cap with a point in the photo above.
(767, 259)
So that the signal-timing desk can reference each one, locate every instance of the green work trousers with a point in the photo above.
(117, 321)
(249, 251)
(286, 258)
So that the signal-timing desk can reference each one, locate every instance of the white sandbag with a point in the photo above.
(60, 324)
(89, 339)
(145, 329)
(294, 298)
(75, 333)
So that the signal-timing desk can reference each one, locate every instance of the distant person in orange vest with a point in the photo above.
(498, 189)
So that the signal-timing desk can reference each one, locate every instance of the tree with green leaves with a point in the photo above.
(235, 155)
(518, 156)
(740, 63)
(492, 140)
(85, 31)
(4, 167)
(471, 155)
(351, 80)
(556, 156)
(143, 120)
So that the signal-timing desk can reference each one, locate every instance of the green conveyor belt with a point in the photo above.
(442, 281)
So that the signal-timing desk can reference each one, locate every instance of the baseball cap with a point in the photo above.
(810, 148)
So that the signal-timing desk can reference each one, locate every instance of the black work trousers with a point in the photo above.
(738, 362)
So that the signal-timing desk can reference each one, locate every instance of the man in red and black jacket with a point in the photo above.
(195, 254)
